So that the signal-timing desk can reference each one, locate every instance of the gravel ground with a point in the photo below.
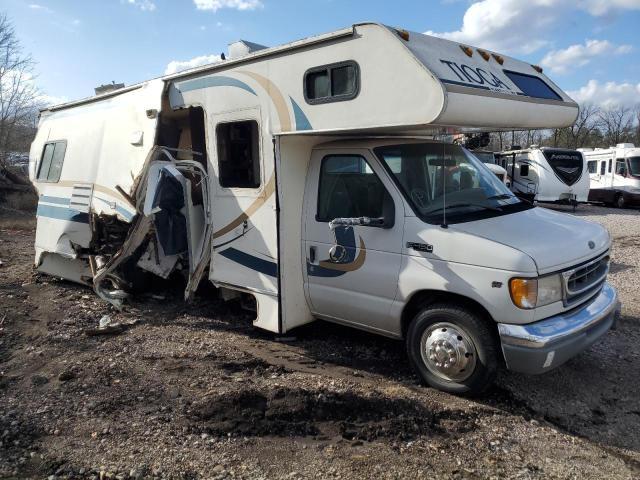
(196, 392)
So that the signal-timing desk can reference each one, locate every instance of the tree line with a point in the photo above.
(594, 127)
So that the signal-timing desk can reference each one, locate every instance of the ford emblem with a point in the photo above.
(592, 244)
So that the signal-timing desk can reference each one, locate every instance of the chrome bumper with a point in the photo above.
(541, 346)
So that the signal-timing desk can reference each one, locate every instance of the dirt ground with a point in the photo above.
(193, 391)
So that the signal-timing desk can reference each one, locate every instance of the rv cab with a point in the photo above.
(320, 179)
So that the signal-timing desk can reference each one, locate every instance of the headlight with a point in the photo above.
(530, 293)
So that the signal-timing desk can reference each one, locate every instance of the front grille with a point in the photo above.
(584, 280)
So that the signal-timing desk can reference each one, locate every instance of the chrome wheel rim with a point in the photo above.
(448, 352)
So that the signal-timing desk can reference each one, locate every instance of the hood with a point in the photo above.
(553, 240)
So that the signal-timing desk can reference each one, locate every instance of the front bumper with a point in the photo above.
(538, 347)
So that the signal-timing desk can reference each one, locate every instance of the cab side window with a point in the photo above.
(621, 168)
(51, 162)
(348, 188)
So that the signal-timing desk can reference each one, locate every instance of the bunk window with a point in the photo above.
(332, 83)
(532, 86)
(238, 154)
(51, 161)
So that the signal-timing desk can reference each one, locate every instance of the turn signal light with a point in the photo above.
(484, 54)
(498, 58)
(537, 68)
(524, 292)
(467, 50)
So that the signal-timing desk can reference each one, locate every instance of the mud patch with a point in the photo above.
(288, 412)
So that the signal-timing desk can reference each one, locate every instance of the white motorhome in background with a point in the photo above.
(615, 174)
(489, 159)
(553, 175)
(307, 177)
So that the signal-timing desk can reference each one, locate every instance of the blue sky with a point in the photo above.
(591, 48)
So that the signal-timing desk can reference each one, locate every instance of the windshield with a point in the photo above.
(634, 166)
(437, 176)
(485, 157)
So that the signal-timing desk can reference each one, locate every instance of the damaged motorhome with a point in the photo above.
(313, 177)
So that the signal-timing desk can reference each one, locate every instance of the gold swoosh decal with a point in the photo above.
(348, 267)
(276, 97)
(269, 189)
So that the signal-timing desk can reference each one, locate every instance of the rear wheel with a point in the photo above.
(452, 349)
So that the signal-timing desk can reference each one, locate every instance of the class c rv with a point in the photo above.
(547, 175)
(314, 178)
(490, 160)
(615, 175)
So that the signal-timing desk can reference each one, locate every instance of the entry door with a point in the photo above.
(357, 282)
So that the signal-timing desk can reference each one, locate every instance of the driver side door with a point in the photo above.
(358, 285)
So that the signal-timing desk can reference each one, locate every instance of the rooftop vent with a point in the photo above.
(242, 48)
(109, 87)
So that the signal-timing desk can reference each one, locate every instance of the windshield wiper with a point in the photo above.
(502, 196)
(456, 205)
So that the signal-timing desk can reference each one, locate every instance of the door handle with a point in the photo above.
(312, 254)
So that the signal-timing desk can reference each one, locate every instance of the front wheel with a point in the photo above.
(620, 201)
(452, 349)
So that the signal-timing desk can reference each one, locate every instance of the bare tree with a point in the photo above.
(617, 124)
(18, 93)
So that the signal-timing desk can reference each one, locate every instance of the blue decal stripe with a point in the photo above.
(216, 81)
(453, 82)
(62, 213)
(302, 122)
(254, 263)
(121, 210)
(57, 200)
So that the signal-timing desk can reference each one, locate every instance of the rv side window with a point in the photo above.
(332, 83)
(532, 86)
(603, 168)
(524, 170)
(592, 166)
(52, 160)
(348, 188)
(238, 154)
(621, 168)
(610, 162)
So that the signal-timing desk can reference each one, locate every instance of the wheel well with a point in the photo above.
(424, 298)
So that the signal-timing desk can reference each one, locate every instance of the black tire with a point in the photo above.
(476, 329)
(620, 201)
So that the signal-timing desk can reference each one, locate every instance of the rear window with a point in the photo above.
(532, 86)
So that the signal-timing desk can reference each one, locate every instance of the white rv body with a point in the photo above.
(553, 175)
(243, 170)
(615, 174)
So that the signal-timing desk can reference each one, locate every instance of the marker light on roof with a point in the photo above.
(483, 54)
(466, 50)
(537, 68)
(403, 34)
(498, 58)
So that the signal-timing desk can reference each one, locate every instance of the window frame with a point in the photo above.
(39, 166)
(603, 167)
(331, 98)
(261, 183)
(557, 96)
(350, 155)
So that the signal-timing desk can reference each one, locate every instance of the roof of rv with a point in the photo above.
(459, 84)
